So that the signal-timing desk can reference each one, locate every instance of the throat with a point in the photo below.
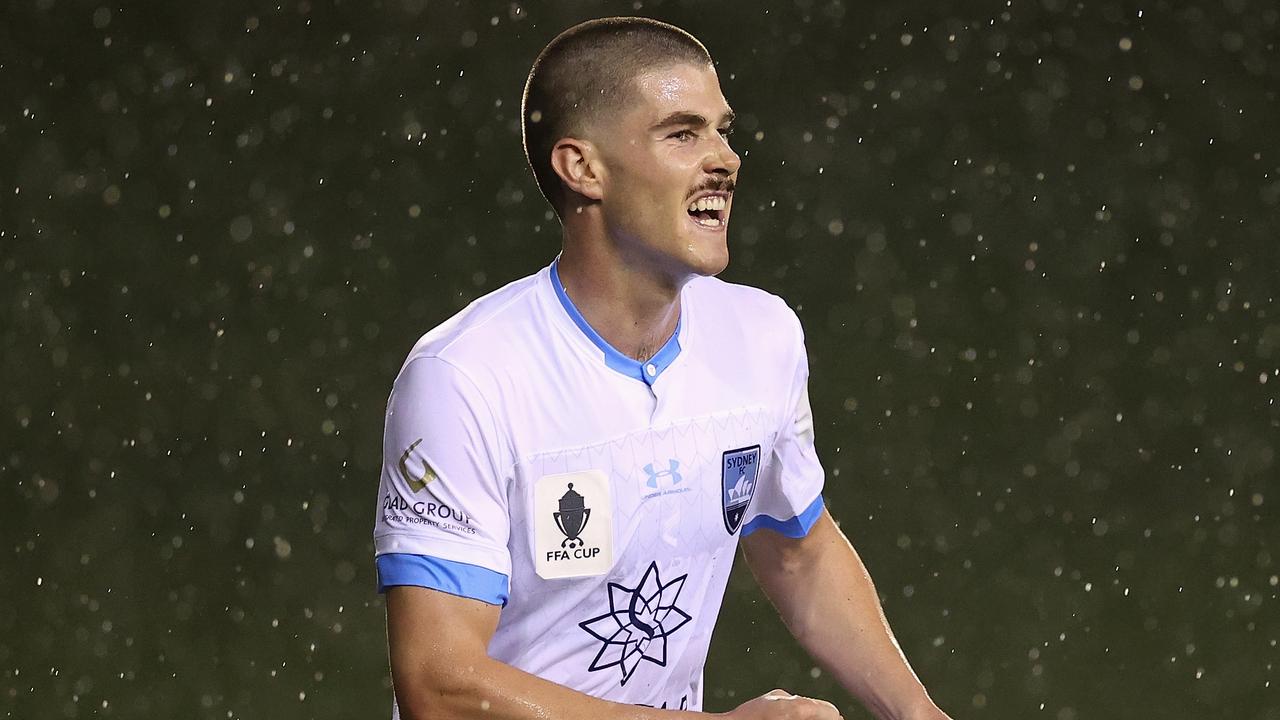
(634, 313)
(643, 353)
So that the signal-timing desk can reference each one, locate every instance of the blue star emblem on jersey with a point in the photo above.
(738, 472)
(638, 623)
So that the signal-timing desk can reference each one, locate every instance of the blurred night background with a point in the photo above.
(1033, 244)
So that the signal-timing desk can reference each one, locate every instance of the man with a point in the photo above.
(570, 461)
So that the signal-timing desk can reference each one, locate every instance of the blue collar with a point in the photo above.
(646, 372)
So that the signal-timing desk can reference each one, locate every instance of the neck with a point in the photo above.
(634, 307)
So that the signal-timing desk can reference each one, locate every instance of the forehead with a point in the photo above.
(673, 88)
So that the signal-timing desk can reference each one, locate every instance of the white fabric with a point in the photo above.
(511, 391)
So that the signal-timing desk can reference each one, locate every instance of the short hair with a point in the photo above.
(589, 68)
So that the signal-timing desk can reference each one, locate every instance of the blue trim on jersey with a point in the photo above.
(455, 578)
(796, 527)
(614, 359)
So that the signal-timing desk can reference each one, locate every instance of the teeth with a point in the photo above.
(713, 202)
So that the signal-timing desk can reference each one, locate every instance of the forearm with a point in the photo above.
(841, 626)
(440, 668)
(486, 688)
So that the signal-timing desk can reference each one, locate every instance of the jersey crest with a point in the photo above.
(738, 472)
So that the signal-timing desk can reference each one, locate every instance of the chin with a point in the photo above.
(707, 248)
(715, 265)
(707, 261)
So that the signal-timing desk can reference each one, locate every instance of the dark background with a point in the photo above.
(1033, 244)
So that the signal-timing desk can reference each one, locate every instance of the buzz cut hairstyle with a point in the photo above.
(589, 69)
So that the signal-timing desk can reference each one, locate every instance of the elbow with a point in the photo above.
(458, 692)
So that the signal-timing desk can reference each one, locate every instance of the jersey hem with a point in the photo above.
(456, 578)
(399, 543)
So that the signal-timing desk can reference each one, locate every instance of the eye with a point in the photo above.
(725, 132)
(682, 135)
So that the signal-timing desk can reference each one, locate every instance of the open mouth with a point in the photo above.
(710, 211)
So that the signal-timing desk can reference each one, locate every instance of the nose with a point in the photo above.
(722, 160)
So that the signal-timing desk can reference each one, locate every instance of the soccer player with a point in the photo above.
(571, 461)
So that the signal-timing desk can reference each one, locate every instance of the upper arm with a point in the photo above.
(436, 641)
(443, 518)
(441, 534)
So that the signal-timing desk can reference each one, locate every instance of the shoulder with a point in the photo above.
(754, 331)
(478, 336)
(742, 306)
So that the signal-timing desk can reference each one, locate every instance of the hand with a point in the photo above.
(782, 705)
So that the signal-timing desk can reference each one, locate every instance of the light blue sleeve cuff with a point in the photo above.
(455, 578)
(796, 527)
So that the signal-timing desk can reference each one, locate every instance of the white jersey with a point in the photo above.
(597, 499)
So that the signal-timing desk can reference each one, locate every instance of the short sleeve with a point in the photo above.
(442, 517)
(789, 497)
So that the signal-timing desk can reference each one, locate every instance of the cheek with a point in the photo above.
(648, 201)
(649, 189)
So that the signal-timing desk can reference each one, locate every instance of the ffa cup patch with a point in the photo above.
(573, 525)
(738, 472)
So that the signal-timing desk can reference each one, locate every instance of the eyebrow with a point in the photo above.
(684, 117)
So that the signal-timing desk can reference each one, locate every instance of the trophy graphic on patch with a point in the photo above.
(572, 518)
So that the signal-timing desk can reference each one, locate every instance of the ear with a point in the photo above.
(578, 165)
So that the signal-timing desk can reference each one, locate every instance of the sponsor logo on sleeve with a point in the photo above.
(416, 481)
(573, 525)
(432, 513)
(738, 473)
(417, 474)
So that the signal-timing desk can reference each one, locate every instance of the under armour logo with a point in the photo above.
(673, 466)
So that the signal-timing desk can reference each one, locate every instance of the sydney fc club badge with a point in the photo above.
(738, 472)
(573, 525)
